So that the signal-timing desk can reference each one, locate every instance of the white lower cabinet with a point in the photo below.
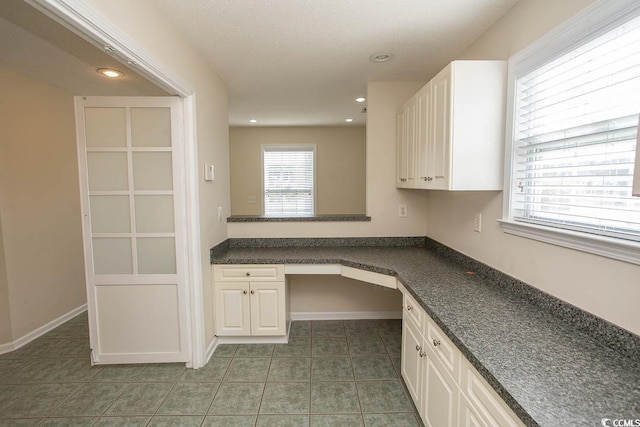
(249, 302)
(411, 359)
(446, 389)
(432, 388)
(491, 409)
(440, 401)
(468, 415)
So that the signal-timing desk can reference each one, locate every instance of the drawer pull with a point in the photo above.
(422, 353)
(418, 348)
(252, 292)
(436, 342)
(248, 274)
(409, 308)
(244, 292)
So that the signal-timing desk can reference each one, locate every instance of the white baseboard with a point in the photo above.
(282, 339)
(37, 333)
(210, 350)
(346, 315)
(6, 348)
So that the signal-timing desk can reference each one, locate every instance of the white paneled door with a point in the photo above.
(130, 157)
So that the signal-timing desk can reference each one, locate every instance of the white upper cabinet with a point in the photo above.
(406, 148)
(457, 129)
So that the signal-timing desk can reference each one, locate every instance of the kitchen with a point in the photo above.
(446, 217)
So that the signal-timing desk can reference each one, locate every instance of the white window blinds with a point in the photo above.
(575, 128)
(288, 180)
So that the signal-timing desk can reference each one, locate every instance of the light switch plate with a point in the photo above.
(209, 172)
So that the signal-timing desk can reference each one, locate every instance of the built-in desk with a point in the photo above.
(550, 368)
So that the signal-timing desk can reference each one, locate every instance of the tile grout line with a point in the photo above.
(355, 380)
(219, 385)
(128, 385)
(264, 390)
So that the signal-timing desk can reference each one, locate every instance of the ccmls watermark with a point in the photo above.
(620, 422)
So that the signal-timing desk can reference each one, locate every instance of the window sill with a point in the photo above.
(622, 250)
(315, 218)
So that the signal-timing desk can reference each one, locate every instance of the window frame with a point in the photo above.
(289, 147)
(587, 25)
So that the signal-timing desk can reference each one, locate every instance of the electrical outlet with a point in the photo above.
(252, 200)
(477, 222)
(402, 211)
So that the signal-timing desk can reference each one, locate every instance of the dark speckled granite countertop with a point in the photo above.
(548, 372)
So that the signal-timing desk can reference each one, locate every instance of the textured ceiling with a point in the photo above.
(302, 62)
(35, 45)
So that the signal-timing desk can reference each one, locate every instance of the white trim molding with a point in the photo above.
(595, 20)
(346, 315)
(37, 333)
(623, 250)
(86, 22)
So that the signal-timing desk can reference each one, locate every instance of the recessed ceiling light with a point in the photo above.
(348, 120)
(360, 99)
(380, 57)
(110, 72)
(252, 121)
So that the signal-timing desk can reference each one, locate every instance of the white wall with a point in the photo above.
(383, 198)
(332, 293)
(39, 204)
(155, 33)
(602, 286)
(339, 166)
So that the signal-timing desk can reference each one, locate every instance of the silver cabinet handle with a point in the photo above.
(244, 292)
(409, 308)
(422, 353)
(436, 342)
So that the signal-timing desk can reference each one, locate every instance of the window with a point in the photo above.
(576, 103)
(288, 180)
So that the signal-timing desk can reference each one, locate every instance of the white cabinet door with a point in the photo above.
(441, 130)
(468, 415)
(401, 173)
(406, 144)
(268, 312)
(424, 140)
(441, 348)
(411, 360)
(486, 402)
(233, 317)
(441, 392)
(410, 136)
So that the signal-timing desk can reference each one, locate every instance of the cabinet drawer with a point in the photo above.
(486, 402)
(243, 273)
(442, 348)
(412, 311)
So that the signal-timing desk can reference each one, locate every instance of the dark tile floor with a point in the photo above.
(332, 373)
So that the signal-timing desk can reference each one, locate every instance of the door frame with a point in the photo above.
(84, 21)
